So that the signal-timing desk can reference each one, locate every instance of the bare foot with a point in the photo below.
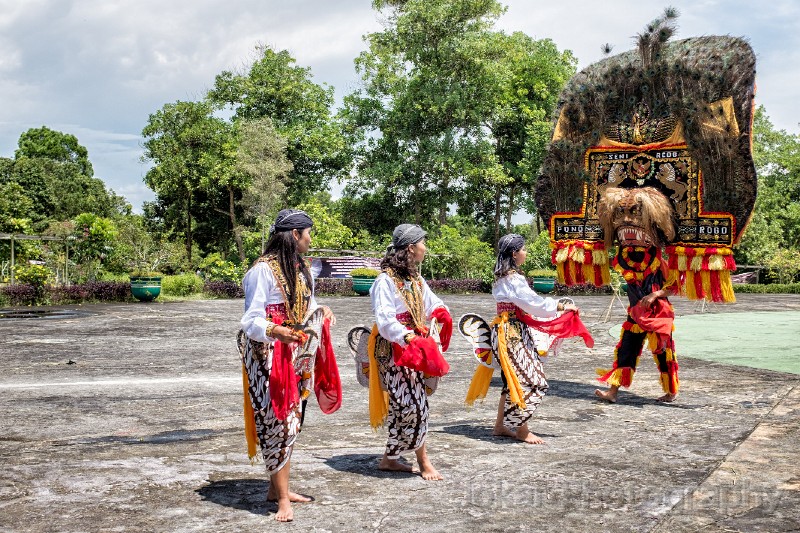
(293, 497)
(523, 434)
(285, 512)
(667, 398)
(393, 465)
(502, 431)
(610, 395)
(429, 473)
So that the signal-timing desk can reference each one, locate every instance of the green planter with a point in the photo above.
(362, 285)
(145, 289)
(544, 285)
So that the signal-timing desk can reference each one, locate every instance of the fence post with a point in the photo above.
(12, 258)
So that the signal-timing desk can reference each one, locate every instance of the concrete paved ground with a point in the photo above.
(129, 419)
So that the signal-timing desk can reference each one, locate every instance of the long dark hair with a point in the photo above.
(401, 262)
(504, 265)
(283, 246)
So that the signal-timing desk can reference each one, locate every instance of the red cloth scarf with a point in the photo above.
(283, 380)
(569, 324)
(658, 318)
(327, 385)
(443, 317)
(421, 354)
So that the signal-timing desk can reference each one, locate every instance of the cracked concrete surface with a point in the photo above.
(143, 432)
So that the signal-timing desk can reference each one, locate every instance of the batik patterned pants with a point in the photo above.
(528, 367)
(407, 420)
(276, 437)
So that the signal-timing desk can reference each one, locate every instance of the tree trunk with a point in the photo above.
(496, 216)
(237, 235)
(510, 211)
(189, 225)
(537, 218)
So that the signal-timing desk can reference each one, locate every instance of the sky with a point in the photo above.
(98, 68)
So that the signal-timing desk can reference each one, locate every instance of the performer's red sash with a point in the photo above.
(569, 324)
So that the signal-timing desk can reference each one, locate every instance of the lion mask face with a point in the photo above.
(636, 217)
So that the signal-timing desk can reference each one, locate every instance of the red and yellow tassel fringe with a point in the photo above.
(703, 273)
(579, 262)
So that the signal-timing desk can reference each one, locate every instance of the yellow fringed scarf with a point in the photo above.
(480, 384)
(378, 399)
(249, 419)
(515, 393)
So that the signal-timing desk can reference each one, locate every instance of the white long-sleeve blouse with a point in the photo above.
(513, 288)
(387, 304)
(261, 289)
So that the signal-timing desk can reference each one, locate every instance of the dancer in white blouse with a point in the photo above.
(402, 353)
(279, 296)
(518, 308)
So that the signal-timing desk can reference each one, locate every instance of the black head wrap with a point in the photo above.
(289, 219)
(506, 246)
(406, 234)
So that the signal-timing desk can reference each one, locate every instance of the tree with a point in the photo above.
(776, 219)
(44, 143)
(178, 139)
(452, 112)
(300, 111)
(54, 171)
(262, 157)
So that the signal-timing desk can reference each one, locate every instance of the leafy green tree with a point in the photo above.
(55, 174)
(776, 219)
(275, 87)
(44, 143)
(455, 254)
(452, 112)
(262, 157)
(178, 140)
(329, 231)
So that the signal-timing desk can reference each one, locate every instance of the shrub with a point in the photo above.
(181, 285)
(333, 287)
(92, 291)
(215, 268)
(223, 289)
(542, 273)
(21, 294)
(582, 289)
(459, 286)
(365, 273)
(775, 288)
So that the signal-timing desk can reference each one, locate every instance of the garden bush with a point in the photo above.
(223, 289)
(362, 272)
(774, 288)
(20, 294)
(459, 286)
(333, 287)
(181, 285)
(92, 291)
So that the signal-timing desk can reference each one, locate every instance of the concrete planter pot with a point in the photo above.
(145, 289)
(361, 286)
(544, 285)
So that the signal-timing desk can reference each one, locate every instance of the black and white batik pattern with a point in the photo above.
(407, 420)
(276, 437)
(525, 361)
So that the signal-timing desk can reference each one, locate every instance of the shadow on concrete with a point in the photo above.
(365, 464)
(245, 494)
(484, 433)
(166, 437)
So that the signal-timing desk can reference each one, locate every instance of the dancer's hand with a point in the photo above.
(285, 335)
(327, 313)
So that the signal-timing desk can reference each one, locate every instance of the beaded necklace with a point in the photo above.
(296, 310)
(411, 293)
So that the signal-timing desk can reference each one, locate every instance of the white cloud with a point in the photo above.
(100, 68)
